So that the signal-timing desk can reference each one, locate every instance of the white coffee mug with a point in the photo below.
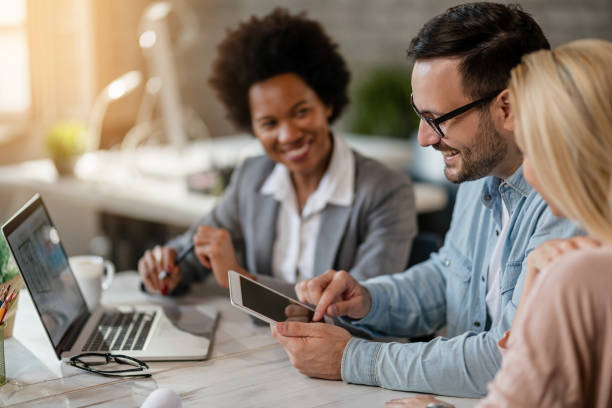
(89, 270)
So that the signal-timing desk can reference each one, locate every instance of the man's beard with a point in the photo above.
(479, 161)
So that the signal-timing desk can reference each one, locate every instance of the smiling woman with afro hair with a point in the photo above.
(278, 43)
(308, 204)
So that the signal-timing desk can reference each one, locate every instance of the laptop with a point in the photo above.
(147, 332)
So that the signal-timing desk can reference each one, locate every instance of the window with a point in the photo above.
(15, 97)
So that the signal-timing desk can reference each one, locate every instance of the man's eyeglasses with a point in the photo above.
(89, 362)
(435, 123)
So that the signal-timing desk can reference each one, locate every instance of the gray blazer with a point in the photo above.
(370, 238)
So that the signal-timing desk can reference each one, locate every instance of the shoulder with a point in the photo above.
(541, 224)
(585, 270)
(259, 163)
(254, 170)
(372, 175)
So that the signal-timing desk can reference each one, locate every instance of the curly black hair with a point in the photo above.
(275, 44)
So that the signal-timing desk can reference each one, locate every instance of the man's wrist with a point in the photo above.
(367, 306)
(368, 296)
(360, 361)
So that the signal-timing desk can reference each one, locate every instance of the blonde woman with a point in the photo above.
(559, 352)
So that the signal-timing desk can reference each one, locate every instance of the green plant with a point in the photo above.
(381, 104)
(8, 270)
(66, 140)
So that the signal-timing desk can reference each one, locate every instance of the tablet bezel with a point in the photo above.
(236, 296)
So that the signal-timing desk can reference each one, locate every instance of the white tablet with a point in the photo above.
(263, 302)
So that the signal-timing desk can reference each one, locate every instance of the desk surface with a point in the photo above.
(246, 367)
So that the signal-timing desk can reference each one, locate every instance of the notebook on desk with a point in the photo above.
(147, 332)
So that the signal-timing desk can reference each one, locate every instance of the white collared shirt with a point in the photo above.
(296, 234)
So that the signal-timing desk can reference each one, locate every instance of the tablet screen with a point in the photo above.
(271, 304)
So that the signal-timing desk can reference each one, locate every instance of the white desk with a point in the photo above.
(247, 368)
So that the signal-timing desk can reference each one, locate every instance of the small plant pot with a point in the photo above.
(65, 166)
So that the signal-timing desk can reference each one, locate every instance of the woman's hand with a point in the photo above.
(152, 263)
(548, 252)
(214, 248)
(544, 255)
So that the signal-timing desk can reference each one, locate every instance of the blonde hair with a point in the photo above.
(562, 102)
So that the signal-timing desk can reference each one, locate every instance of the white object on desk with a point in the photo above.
(162, 398)
(88, 271)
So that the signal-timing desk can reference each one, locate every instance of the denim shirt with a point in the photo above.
(449, 290)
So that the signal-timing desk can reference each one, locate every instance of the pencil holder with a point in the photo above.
(2, 364)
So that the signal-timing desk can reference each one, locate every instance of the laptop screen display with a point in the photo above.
(44, 266)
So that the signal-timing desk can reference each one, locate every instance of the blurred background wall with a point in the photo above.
(370, 33)
(76, 47)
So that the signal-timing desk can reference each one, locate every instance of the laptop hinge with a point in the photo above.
(72, 334)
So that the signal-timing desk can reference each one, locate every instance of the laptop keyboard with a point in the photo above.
(120, 331)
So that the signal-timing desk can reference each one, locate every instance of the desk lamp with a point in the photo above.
(113, 91)
(156, 45)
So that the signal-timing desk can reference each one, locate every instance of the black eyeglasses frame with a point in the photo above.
(435, 123)
(138, 365)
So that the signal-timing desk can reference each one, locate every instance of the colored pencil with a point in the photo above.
(8, 298)
(2, 312)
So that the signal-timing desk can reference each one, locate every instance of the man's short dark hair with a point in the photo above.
(490, 38)
(275, 44)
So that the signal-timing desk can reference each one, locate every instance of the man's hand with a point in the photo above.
(214, 249)
(421, 401)
(297, 313)
(152, 263)
(315, 349)
(335, 294)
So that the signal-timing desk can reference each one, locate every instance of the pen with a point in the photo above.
(164, 274)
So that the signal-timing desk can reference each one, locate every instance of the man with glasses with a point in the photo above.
(472, 285)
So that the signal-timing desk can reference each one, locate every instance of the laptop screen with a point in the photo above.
(43, 263)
